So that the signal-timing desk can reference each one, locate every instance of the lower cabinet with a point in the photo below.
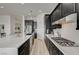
(24, 49)
(53, 50)
(33, 37)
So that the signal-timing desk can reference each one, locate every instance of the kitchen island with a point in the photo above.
(11, 44)
(64, 49)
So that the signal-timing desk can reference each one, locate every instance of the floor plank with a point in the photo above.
(39, 48)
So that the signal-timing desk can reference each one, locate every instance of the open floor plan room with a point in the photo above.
(39, 28)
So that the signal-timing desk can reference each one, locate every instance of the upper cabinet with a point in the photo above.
(62, 10)
(77, 7)
(56, 14)
(67, 9)
(77, 11)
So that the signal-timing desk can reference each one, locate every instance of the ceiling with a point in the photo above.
(27, 9)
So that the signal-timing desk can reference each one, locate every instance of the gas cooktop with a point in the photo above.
(64, 42)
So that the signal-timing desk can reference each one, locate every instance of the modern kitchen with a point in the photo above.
(39, 28)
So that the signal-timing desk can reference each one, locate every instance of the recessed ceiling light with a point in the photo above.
(1, 6)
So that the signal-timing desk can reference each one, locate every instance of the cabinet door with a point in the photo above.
(77, 7)
(54, 16)
(53, 50)
(77, 10)
(24, 49)
(47, 43)
(27, 47)
(57, 13)
(50, 47)
(68, 8)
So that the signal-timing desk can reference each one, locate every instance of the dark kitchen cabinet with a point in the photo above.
(62, 10)
(34, 36)
(24, 49)
(47, 23)
(67, 9)
(77, 7)
(56, 15)
(77, 11)
(53, 50)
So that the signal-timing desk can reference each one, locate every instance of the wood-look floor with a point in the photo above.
(39, 48)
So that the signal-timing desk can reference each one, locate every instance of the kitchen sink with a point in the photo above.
(64, 42)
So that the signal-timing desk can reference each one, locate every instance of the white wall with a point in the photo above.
(69, 30)
(40, 26)
(6, 21)
(12, 23)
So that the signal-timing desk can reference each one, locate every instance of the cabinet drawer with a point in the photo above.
(25, 48)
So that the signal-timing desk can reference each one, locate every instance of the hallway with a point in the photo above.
(39, 48)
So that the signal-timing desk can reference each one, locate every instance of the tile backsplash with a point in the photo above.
(57, 32)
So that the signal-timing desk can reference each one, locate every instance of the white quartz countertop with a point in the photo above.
(9, 45)
(65, 50)
(13, 41)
